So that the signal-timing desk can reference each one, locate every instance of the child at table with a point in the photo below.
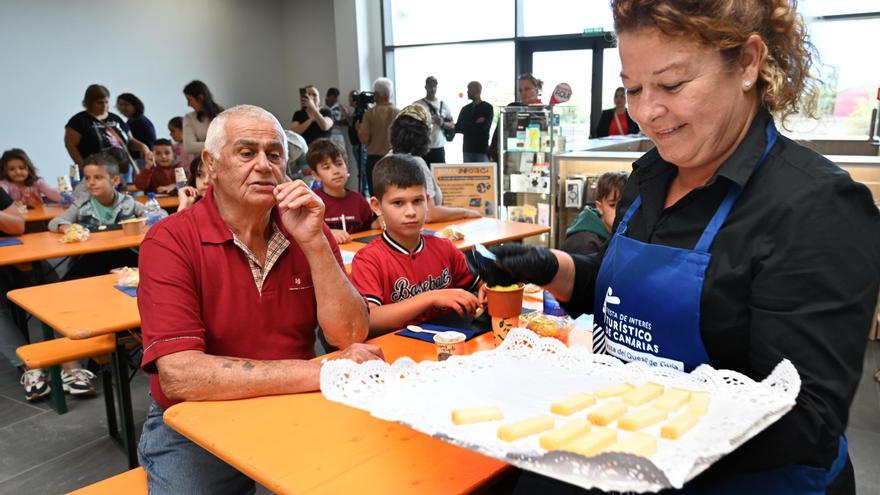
(159, 177)
(592, 227)
(408, 278)
(196, 185)
(345, 211)
(18, 176)
(181, 157)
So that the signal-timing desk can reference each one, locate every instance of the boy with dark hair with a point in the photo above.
(592, 227)
(158, 177)
(408, 278)
(345, 211)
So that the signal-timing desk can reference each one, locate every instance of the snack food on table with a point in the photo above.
(532, 288)
(505, 288)
(638, 443)
(476, 415)
(643, 394)
(555, 439)
(699, 403)
(75, 233)
(127, 277)
(673, 399)
(613, 390)
(22, 208)
(607, 413)
(452, 233)
(679, 425)
(593, 442)
(636, 420)
(524, 428)
(573, 404)
(547, 325)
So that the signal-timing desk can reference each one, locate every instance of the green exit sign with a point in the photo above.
(593, 31)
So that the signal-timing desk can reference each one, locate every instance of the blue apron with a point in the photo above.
(648, 309)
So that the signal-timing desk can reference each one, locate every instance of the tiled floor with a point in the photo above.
(44, 453)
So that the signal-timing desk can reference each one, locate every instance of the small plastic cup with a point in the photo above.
(449, 344)
(134, 226)
(504, 306)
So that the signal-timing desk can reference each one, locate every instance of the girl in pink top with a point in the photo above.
(19, 178)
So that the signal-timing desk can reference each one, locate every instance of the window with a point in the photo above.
(816, 8)
(549, 17)
(455, 66)
(416, 22)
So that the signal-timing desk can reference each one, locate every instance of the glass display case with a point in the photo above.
(529, 137)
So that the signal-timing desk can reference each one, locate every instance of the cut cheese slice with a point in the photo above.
(607, 413)
(641, 444)
(673, 399)
(573, 404)
(555, 439)
(699, 403)
(678, 426)
(640, 396)
(524, 428)
(637, 420)
(476, 415)
(613, 390)
(593, 442)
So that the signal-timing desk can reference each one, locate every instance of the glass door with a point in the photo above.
(573, 67)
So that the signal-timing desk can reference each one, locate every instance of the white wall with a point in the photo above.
(53, 49)
(247, 51)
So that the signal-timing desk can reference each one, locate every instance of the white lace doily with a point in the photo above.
(526, 373)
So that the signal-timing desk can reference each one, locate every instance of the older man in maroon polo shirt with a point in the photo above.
(231, 292)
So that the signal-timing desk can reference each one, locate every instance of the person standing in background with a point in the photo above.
(195, 123)
(474, 122)
(132, 108)
(311, 121)
(373, 130)
(341, 116)
(528, 88)
(441, 122)
(616, 121)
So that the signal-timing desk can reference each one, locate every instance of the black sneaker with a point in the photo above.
(35, 384)
(78, 382)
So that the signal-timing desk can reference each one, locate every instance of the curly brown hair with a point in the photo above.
(786, 84)
(18, 154)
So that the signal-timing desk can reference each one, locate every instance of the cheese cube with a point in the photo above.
(642, 395)
(699, 403)
(679, 425)
(641, 444)
(526, 427)
(613, 390)
(673, 399)
(476, 415)
(593, 442)
(573, 404)
(607, 413)
(637, 420)
(556, 438)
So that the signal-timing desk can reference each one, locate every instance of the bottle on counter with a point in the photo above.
(153, 210)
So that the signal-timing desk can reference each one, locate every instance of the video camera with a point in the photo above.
(362, 102)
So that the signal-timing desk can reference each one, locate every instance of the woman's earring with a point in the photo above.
(747, 85)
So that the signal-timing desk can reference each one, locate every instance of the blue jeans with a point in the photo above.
(469, 157)
(176, 465)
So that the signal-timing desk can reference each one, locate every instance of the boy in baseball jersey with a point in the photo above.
(408, 278)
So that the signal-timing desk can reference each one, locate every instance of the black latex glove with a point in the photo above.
(519, 263)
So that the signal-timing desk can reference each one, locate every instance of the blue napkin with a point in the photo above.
(429, 337)
(131, 291)
(428, 232)
(10, 241)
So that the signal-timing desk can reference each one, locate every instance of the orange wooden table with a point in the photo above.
(83, 308)
(43, 213)
(44, 245)
(164, 201)
(306, 444)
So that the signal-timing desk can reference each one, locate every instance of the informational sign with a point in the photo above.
(468, 185)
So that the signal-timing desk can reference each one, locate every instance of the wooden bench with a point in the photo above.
(132, 482)
(51, 353)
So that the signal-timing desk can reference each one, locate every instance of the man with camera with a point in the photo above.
(443, 125)
(373, 130)
(311, 121)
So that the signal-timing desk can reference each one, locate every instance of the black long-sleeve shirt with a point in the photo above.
(794, 275)
(474, 134)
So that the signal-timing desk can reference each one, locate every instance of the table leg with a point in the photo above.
(126, 419)
(59, 403)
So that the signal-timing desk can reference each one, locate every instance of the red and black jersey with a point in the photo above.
(358, 215)
(385, 272)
